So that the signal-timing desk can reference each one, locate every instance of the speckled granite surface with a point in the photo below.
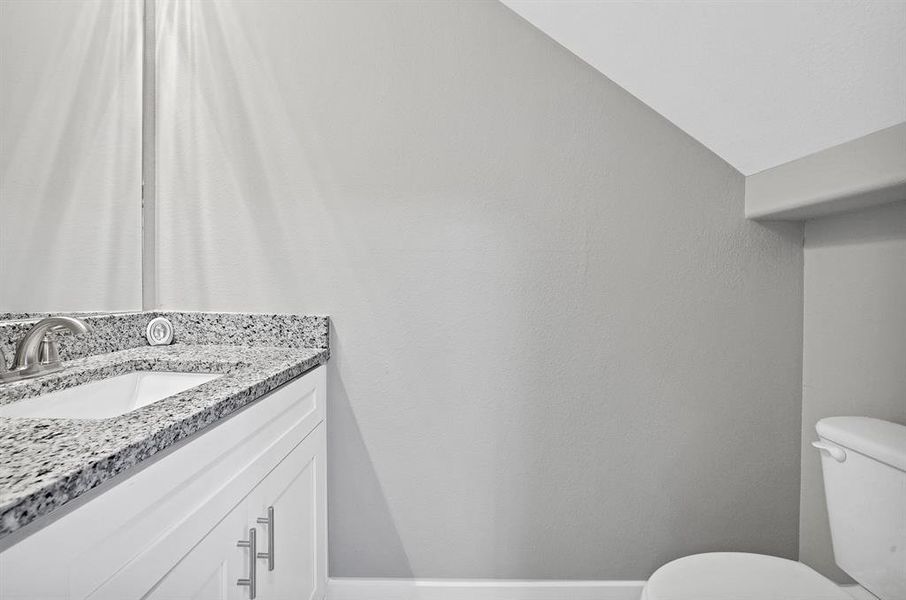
(245, 329)
(13, 316)
(34, 316)
(119, 331)
(109, 333)
(45, 463)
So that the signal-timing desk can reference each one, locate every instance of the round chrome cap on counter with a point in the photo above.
(159, 331)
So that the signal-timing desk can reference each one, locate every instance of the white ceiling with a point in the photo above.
(759, 83)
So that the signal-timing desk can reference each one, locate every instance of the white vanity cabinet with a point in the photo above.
(169, 529)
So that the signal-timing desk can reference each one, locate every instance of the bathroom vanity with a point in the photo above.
(216, 491)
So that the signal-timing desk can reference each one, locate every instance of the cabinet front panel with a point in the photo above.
(208, 572)
(296, 491)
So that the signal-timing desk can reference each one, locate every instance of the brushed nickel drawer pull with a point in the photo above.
(251, 581)
(269, 521)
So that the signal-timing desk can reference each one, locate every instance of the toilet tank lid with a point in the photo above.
(881, 440)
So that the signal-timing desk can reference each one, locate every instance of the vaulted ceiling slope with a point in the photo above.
(759, 83)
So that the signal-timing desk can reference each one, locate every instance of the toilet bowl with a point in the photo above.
(864, 465)
(739, 576)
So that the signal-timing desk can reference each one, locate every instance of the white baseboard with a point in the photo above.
(355, 588)
(363, 588)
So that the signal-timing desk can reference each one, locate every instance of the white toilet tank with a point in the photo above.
(864, 464)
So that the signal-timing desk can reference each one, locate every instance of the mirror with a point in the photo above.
(70, 156)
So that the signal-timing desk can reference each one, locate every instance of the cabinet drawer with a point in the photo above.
(178, 496)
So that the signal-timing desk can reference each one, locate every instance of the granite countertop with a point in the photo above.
(45, 463)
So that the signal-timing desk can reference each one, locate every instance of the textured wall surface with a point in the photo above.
(70, 155)
(558, 348)
(854, 349)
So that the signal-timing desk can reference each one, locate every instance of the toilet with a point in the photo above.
(864, 465)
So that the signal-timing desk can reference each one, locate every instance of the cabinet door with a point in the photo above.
(296, 489)
(209, 571)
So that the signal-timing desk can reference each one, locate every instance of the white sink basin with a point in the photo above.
(106, 398)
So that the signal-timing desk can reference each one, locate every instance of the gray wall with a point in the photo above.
(70, 155)
(854, 351)
(560, 351)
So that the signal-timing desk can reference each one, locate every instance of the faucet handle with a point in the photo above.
(49, 353)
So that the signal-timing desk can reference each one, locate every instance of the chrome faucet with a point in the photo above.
(37, 353)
